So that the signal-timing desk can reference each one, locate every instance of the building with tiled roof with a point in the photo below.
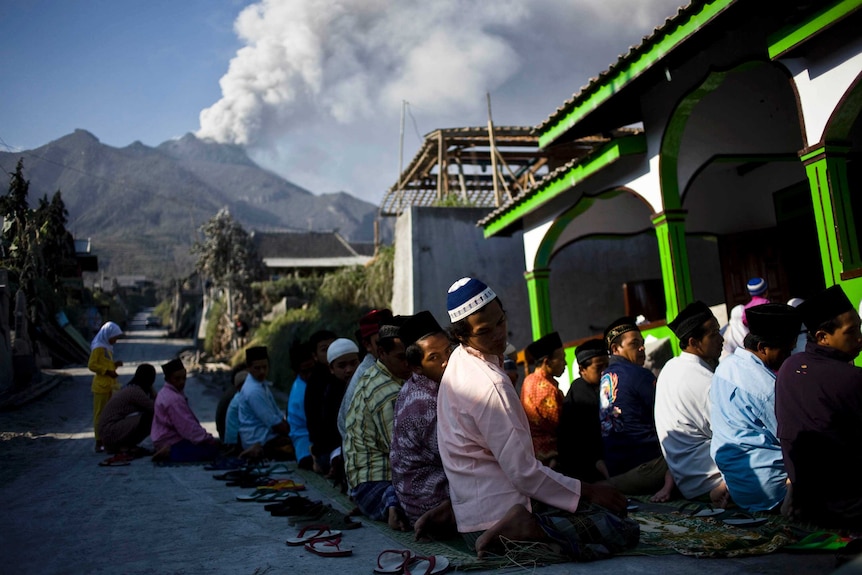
(306, 253)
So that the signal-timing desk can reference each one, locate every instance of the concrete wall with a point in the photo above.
(434, 247)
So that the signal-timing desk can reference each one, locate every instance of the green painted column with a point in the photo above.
(539, 293)
(670, 231)
(826, 168)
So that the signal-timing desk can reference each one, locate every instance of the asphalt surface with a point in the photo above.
(63, 514)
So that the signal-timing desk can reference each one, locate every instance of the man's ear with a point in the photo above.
(821, 336)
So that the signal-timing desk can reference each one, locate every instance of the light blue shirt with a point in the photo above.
(231, 423)
(258, 412)
(297, 420)
(744, 431)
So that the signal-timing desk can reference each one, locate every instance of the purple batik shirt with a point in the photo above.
(417, 471)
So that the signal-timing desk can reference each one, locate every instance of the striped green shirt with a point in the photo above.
(369, 426)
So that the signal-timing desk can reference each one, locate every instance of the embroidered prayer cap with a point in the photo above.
(689, 319)
(369, 324)
(390, 328)
(827, 305)
(756, 286)
(467, 296)
(339, 347)
(590, 349)
(418, 326)
(255, 354)
(619, 327)
(545, 346)
(172, 366)
(774, 321)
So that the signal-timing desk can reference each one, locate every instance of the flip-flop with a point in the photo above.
(432, 565)
(282, 485)
(740, 519)
(312, 533)
(328, 548)
(264, 496)
(334, 518)
(312, 515)
(699, 510)
(118, 460)
(392, 561)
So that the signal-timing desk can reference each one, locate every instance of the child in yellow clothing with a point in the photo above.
(103, 365)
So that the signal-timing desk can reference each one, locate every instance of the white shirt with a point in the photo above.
(682, 412)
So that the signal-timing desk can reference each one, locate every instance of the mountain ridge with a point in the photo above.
(142, 206)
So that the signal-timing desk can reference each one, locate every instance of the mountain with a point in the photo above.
(142, 206)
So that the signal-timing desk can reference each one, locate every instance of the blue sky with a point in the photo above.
(312, 88)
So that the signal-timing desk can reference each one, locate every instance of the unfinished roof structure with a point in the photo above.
(469, 167)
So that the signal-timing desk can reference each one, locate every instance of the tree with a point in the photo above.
(35, 244)
(228, 258)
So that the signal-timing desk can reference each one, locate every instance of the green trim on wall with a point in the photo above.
(539, 293)
(673, 255)
(629, 68)
(661, 332)
(826, 168)
(588, 166)
(790, 37)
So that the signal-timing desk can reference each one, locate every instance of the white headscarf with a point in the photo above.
(108, 330)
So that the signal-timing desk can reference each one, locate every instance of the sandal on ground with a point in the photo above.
(694, 509)
(313, 533)
(418, 565)
(337, 519)
(328, 548)
(313, 515)
(742, 519)
(120, 459)
(292, 506)
(392, 561)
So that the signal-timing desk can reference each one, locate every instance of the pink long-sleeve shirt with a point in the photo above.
(174, 420)
(486, 447)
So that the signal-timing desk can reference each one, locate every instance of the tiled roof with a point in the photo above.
(301, 245)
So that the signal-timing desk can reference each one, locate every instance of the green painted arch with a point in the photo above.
(549, 241)
(845, 114)
(676, 124)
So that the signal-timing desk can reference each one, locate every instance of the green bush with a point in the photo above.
(216, 312)
(342, 298)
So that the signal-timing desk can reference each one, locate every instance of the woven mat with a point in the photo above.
(666, 529)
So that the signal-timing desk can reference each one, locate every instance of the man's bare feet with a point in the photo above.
(518, 524)
(720, 496)
(440, 519)
(664, 494)
(397, 521)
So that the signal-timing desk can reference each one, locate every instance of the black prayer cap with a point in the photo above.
(545, 346)
(774, 321)
(823, 307)
(389, 328)
(619, 327)
(172, 366)
(689, 319)
(417, 326)
(590, 349)
(255, 354)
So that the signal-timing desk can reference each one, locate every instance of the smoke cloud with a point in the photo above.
(315, 67)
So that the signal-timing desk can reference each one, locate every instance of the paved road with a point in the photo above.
(63, 514)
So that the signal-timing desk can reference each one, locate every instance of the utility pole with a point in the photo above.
(498, 200)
